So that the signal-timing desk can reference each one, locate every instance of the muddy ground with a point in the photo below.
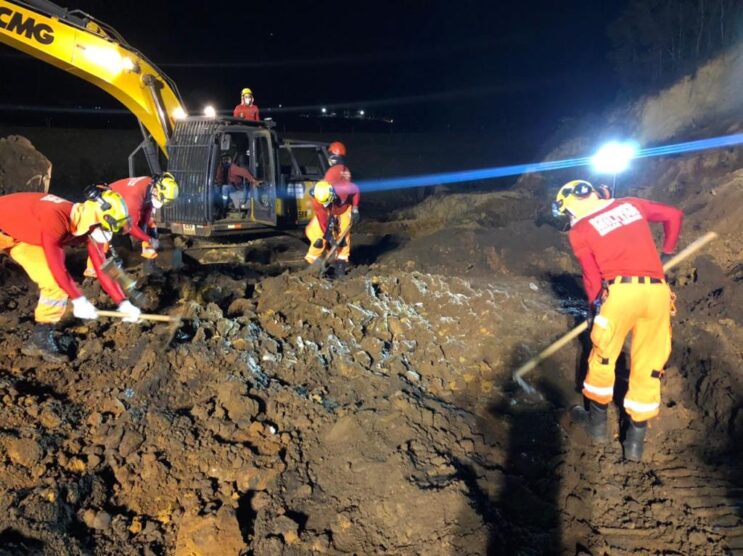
(374, 414)
(291, 414)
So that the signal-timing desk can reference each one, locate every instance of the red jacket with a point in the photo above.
(234, 175)
(617, 241)
(246, 112)
(337, 174)
(347, 196)
(44, 220)
(137, 196)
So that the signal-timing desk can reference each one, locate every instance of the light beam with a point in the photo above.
(446, 178)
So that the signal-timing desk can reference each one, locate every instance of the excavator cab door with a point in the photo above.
(263, 168)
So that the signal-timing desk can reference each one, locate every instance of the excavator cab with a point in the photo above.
(200, 152)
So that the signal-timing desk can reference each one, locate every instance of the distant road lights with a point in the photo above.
(179, 113)
(614, 157)
(324, 110)
(361, 113)
(210, 112)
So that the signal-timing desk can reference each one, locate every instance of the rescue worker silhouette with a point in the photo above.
(627, 292)
(143, 195)
(231, 177)
(247, 109)
(335, 209)
(34, 229)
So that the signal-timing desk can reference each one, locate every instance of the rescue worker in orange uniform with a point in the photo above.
(247, 109)
(335, 209)
(338, 170)
(142, 196)
(626, 287)
(34, 229)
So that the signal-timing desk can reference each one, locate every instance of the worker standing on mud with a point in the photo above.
(34, 228)
(626, 288)
(142, 196)
(247, 109)
(339, 176)
(336, 208)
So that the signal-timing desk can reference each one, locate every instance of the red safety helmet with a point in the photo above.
(337, 148)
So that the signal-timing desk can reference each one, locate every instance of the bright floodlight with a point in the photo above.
(614, 157)
(324, 110)
(210, 112)
(361, 112)
(179, 113)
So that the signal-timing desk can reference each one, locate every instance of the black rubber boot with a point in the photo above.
(597, 422)
(634, 440)
(42, 344)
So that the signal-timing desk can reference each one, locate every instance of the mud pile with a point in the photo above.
(346, 417)
(22, 167)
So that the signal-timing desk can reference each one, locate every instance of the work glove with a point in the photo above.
(132, 311)
(84, 309)
(154, 243)
(665, 257)
(355, 215)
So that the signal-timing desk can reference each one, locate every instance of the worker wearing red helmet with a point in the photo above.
(338, 170)
(625, 284)
(247, 109)
(34, 229)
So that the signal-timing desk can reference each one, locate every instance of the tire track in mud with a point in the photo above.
(667, 505)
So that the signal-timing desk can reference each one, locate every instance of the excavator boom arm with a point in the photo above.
(88, 49)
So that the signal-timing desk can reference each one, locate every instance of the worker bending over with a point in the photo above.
(247, 109)
(34, 229)
(626, 288)
(335, 208)
(142, 196)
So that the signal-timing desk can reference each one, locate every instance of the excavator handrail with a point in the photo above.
(92, 50)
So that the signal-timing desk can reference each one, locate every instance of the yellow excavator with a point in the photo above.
(192, 148)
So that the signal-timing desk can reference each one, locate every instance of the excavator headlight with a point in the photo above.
(179, 113)
(129, 65)
(210, 112)
(108, 59)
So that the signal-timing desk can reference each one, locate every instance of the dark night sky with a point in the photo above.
(431, 65)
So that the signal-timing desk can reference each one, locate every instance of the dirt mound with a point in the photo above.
(317, 417)
(22, 167)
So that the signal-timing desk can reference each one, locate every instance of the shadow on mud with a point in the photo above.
(522, 514)
(366, 254)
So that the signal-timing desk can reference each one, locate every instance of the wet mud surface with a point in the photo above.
(291, 414)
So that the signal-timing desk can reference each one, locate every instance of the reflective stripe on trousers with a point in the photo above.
(644, 310)
(52, 299)
(314, 232)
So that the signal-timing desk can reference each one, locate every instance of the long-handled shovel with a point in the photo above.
(532, 363)
(326, 261)
(143, 316)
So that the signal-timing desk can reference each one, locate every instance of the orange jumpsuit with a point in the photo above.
(615, 248)
(347, 197)
(136, 193)
(34, 228)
